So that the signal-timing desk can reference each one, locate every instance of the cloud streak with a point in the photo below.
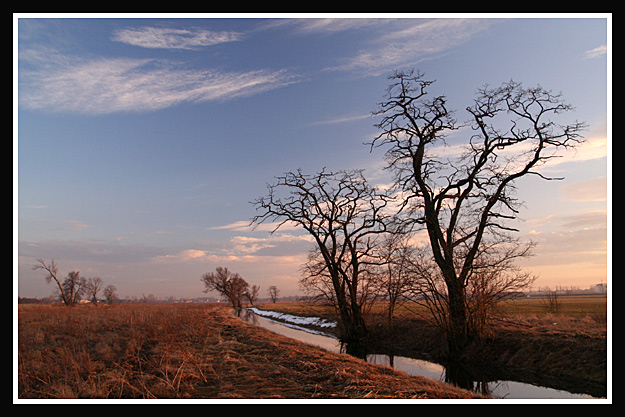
(167, 38)
(109, 85)
(408, 45)
(596, 52)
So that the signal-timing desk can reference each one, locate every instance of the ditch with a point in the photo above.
(500, 389)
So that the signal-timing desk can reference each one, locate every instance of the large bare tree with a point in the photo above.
(464, 202)
(51, 275)
(344, 215)
(72, 287)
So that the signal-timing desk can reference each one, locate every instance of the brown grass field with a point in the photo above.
(188, 351)
(201, 351)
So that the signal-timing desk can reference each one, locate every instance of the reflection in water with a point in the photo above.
(410, 366)
(453, 375)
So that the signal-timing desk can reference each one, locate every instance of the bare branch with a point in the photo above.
(344, 215)
(461, 202)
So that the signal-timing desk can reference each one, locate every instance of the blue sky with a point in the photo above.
(141, 141)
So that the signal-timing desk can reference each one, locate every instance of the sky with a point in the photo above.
(140, 141)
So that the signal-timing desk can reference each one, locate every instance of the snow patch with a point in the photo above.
(289, 318)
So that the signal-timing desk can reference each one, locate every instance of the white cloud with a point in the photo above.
(597, 52)
(183, 256)
(151, 37)
(339, 120)
(249, 245)
(542, 219)
(244, 226)
(406, 46)
(107, 85)
(326, 25)
(241, 225)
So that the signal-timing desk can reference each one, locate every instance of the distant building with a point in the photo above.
(600, 288)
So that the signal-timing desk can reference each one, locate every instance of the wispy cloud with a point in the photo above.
(245, 226)
(587, 220)
(107, 85)
(244, 249)
(411, 43)
(596, 52)
(167, 38)
(73, 225)
(340, 120)
(329, 25)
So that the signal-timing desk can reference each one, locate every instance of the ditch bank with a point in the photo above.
(536, 354)
(564, 356)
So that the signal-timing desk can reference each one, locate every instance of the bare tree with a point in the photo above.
(344, 215)
(395, 274)
(494, 280)
(551, 302)
(74, 287)
(273, 293)
(110, 293)
(51, 275)
(93, 287)
(228, 284)
(460, 202)
(251, 293)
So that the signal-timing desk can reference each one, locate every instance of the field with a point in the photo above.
(201, 351)
(188, 351)
(570, 306)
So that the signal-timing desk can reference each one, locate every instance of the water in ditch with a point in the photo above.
(494, 389)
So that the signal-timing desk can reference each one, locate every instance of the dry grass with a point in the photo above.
(584, 314)
(188, 351)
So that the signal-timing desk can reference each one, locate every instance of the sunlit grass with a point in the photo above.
(577, 306)
(184, 351)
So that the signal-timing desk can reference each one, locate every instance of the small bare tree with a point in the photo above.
(551, 302)
(93, 287)
(395, 274)
(251, 293)
(273, 293)
(110, 294)
(228, 284)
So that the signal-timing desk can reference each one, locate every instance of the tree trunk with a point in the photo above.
(353, 337)
(457, 337)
